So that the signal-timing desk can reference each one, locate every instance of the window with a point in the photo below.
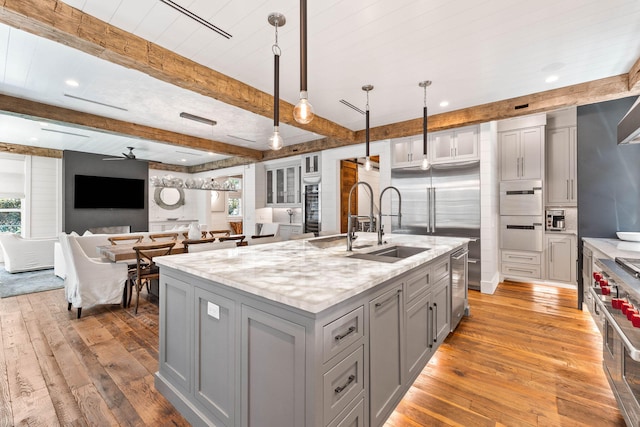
(10, 215)
(234, 198)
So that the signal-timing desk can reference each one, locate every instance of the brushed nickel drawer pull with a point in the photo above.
(342, 336)
(349, 381)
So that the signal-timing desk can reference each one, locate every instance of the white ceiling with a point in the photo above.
(474, 51)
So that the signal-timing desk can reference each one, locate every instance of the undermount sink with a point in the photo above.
(329, 241)
(390, 254)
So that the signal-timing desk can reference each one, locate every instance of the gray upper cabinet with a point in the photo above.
(455, 145)
(283, 186)
(561, 152)
(521, 153)
(407, 152)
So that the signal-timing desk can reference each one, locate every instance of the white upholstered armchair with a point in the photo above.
(26, 254)
(89, 281)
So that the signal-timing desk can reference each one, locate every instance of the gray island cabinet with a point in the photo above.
(292, 334)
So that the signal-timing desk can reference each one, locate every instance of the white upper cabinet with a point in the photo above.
(521, 153)
(311, 164)
(283, 186)
(407, 152)
(454, 145)
(561, 151)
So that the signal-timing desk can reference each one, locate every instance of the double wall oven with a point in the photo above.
(615, 292)
(521, 217)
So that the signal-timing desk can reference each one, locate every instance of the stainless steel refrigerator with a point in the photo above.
(442, 201)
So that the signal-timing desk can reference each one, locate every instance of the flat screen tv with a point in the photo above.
(103, 192)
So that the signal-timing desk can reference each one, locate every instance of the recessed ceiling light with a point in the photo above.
(33, 138)
(183, 160)
(211, 153)
(551, 79)
(72, 83)
(444, 104)
(43, 123)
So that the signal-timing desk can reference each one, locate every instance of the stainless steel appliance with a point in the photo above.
(443, 201)
(311, 205)
(459, 278)
(522, 197)
(521, 233)
(616, 292)
(555, 220)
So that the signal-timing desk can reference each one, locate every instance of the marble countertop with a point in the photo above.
(614, 248)
(300, 274)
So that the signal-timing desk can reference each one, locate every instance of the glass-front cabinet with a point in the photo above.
(283, 186)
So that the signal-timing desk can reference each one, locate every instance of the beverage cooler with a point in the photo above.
(311, 205)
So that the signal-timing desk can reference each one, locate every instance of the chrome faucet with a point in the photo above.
(351, 235)
(380, 232)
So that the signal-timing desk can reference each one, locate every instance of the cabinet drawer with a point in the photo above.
(342, 332)
(342, 384)
(440, 269)
(521, 270)
(353, 416)
(416, 283)
(521, 257)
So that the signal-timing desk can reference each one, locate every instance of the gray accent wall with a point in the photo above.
(80, 220)
(608, 175)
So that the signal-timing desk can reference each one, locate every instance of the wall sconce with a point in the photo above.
(367, 162)
(303, 111)
(425, 154)
(275, 141)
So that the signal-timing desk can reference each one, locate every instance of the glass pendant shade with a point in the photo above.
(425, 163)
(275, 141)
(367, 164)
(303, 111)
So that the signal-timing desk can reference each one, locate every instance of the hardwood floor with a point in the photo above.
(525, 357)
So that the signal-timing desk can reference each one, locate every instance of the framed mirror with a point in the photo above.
(169, 197)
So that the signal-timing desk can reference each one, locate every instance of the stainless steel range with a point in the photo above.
(616, 294)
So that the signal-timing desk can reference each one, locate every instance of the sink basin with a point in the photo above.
(390, 254)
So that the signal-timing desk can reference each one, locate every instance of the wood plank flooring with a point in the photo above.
(525, 357)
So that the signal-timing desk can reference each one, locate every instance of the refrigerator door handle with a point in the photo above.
(428, 210)
(434, 208)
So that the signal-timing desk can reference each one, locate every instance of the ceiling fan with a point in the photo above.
(125, 156)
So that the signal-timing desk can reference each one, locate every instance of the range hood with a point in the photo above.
(629, 126)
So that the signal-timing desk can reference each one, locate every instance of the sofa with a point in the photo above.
(22, 254)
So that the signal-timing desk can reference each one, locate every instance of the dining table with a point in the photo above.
(124, 252)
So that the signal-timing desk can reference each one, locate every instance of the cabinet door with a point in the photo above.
(418, 335)
(442, 147)
(558, 152)
(273, 370)
(509, 155)
(417, 150)
(573, 161)
(466, 144)
(440, 297)
(290, 185)
(401, 154)
(560, 262)
(312, 164)
(531, 154)
(215, 355)
(270, 198)
(385, 354)
(280, 186)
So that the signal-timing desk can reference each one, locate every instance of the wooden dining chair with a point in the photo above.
(163, 237)
(128, 239)
(192, 242)
(146, 269)
(203, 245)
(219, 233)
(236, 238)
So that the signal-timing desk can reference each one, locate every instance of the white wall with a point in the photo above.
(489, 207)
(44, 188)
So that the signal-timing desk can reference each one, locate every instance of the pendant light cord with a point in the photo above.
(276, 79)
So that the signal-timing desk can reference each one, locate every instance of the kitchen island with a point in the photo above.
(301, 333)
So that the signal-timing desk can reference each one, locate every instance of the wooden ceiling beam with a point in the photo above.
(31, 109)
(634, 76)
(580, 94)
(28, 150)
(57, 21)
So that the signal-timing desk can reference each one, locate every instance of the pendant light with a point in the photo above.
(425, 156)
(275, 141)
(367, 162)
(303, 111)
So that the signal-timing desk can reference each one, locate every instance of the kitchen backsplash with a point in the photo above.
(281, 215)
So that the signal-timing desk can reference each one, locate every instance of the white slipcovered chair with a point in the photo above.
(263, 240)
(26, 254)
(270, 228)
(210, 246)
(89, 281)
